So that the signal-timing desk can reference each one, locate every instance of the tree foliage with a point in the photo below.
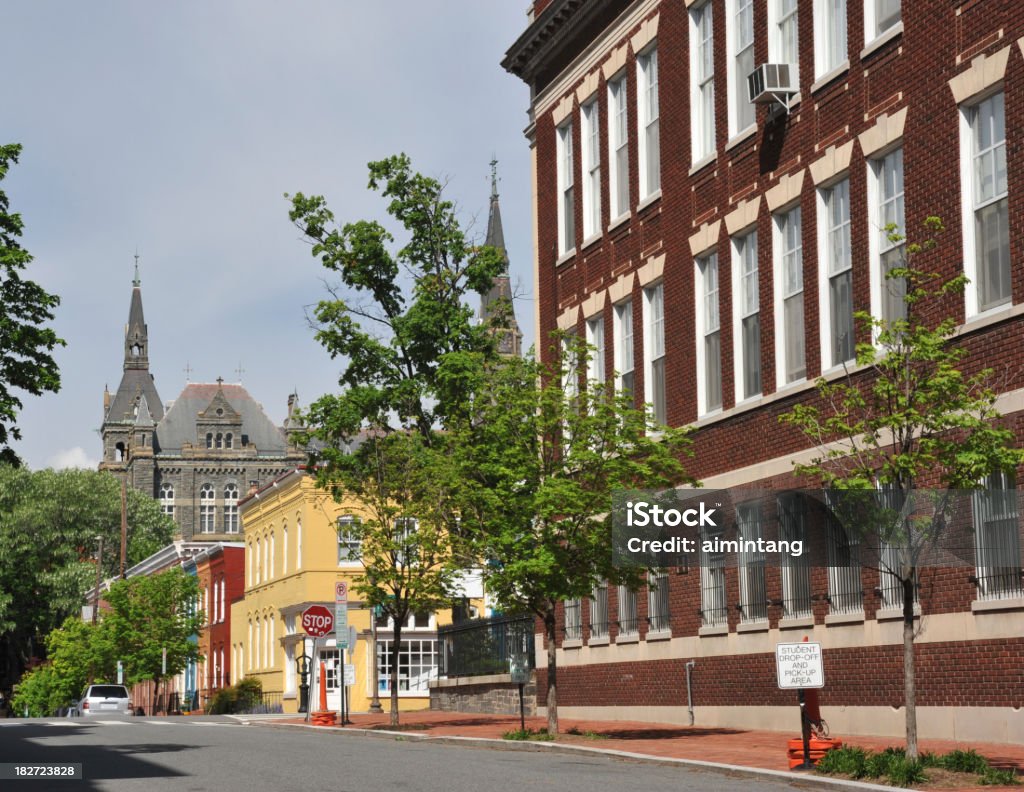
(912, 420)
(49, 522)
(151, 614)
(537, 461)
(26, 343)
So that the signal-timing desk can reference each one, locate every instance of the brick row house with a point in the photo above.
(713, 251)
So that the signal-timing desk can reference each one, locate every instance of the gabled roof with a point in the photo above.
(179, 424)
(134, 384)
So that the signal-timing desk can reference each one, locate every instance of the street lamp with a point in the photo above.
(99, 574)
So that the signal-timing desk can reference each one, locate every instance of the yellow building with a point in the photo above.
(296, 549)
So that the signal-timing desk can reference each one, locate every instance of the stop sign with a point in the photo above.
(318, 621)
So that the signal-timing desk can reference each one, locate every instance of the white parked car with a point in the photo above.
(104, 700)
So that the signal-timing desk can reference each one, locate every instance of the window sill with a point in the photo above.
(629, 638)
(590, 240)
(703, 162)
(660, 635)
(856, 617)
(989, 605)
(713, 629)
(750, 627)
(741, 136)
(748, 400)
(838, 370)
(882, 39)
(567, 256)
(622, 218)
(796, 623)
(572, 643)
(894, 614)
(655, 196)
(600, 641)
(991, 316)
(829, 76)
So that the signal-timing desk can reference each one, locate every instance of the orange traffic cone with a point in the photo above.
(324, 717)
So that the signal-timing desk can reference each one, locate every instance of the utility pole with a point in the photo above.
(99, 578)
(124, 524)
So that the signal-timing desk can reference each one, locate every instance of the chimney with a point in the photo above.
(253, 487)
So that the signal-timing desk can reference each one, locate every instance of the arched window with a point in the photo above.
(209, 439)
(119, 455)
(272, 563)
(251, 559)
(229, 440)
(220, 440)
(298, 544)
(231, 508)
(284, 549)
(167, 499)
(207, 499)
(256, 561)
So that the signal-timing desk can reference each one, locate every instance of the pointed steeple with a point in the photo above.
(136, 336)
(496, 306)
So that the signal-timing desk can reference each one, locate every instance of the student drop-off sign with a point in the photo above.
(799, 665)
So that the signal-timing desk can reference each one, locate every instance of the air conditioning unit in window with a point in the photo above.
(772, 82)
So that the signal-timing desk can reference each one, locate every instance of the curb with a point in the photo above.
(801, 781)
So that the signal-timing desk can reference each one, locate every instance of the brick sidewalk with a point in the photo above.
(746, 748)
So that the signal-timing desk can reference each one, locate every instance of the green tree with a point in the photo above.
(392, 319)
(912, 419)
(538, 460)
(49, 523)
(149, 615)
(405, 530)
(26, 343)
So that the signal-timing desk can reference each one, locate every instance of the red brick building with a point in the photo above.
(713, 250)
(220, 569)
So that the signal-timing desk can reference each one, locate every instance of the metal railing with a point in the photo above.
(485, 646)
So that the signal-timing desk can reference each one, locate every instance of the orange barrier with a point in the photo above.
(325, 718)
(819, 746)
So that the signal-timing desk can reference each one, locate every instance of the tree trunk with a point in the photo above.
(552, 698)
(396, 646)
(909, 689)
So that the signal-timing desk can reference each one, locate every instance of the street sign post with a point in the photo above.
(317, 621)
(519, 670)
(341, 613)
(799, 666)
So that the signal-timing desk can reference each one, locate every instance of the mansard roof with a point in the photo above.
(179, 424)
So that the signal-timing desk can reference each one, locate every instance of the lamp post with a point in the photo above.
(99, 577)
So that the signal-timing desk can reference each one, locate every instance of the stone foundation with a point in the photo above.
(493, 695)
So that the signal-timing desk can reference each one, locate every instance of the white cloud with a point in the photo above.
(71, 458)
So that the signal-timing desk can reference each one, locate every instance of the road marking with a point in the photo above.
(215, 723)
(157, 722)
(112, 723)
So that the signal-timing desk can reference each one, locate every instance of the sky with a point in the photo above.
(175, 129)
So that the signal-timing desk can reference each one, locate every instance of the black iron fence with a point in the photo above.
(485, 646)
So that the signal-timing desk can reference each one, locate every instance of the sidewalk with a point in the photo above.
(765, 750)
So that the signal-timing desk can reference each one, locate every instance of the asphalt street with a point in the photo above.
(217, 753)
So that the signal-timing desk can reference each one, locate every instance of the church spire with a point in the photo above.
(136, 336)
(496, 306)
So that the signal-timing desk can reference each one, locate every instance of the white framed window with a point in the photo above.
(885, 206)
(570, 368)
(284, 548)
(796, 570)
(714, 608)
(746, 316)
(257, 647)
(349, 543)
(595, 339)
(659, 616)
(231, 508)
(207, 506)
(258, 560)
(880, 16)
(784, 33)
(216, 604)
(830, 47)
(266, 558)
(624, 346)
(753, 605)
(591, 150)
(835, 275)
(222, 590)
(709, 340)
(566, 190)
(997, 538)
(417, 665)
(629, 624)
(298, 544)
(986, 206)
(599, 611)
(647, 113)
(654, 351)
(270, 641)
(702, 81)
(790, 349)
(167, 499)
(618, 147)
(405, 541)
(740, 31)
(573, 619)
